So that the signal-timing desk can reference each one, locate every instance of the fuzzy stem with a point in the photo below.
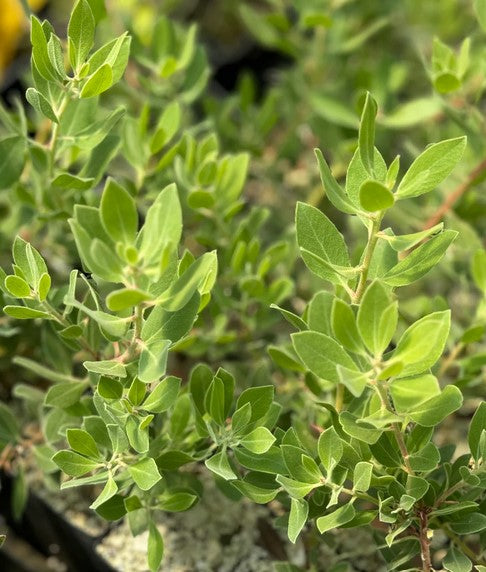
(474, 177)
(424, 542)
(370, 248)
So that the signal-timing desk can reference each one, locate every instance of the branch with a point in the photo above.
(474, 177)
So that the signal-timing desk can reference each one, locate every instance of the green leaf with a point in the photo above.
(318, 235)
(299, 510)
(112, 509)
(344, 326)
(260, 399)
(215, 400)
(163, 396)
(363, 472)
(64, 394)
(330, 449)
(421, 260)
(171, 326)
(407, 241)
(220, 465)
(81, 29)
(114, 53)
(125, 298)
(321, 354)
(82, 442)
(426, 459)
(29, 261)
(431, 167)
(354, 381)
(296, 489)
(366, 138)
(478, 269)
(258, 441)
(118, 213)
(17, 286)
(468, 523)
(44, 286)
(176, 502)
(109, 388)
(409, 392)
(153, 360)
(155, 548)
(100, 81)
(363, 431)
(145, 473)
(40, 104)
(106, 367)
(74, 464)
(375, 196)
(423, 342)
(109, 490)
(377, 318)
(319, 313)
(182, 290)
(12, 160)
(416, 487)
(163, 224)
(433, 411)
(23, 313)
(334, 192)
(340, 516)
(41, 62)
(476, 428)
(456, 561)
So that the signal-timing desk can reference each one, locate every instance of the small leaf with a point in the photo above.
(423, 342)
(81, 29)
(17, 286)
(421, 260)
(377, 317)
(74, 464)
(334, 192)
(321, 354)
(24, 313)
(375, 196)
(299, 509)
(64, 394)
(366, 139)
(125, 298)
(317, 235)
(363, 472)
(163, 396)
(40, 104)
(106, 367)
(118, 213)
(155, 548)
(340, 516)
(109, 490)
(82, 442)
(258, 441)
(220, 465)
(100, 81)
(330, 448)
(456, 561)
(476, 428)
(145, 473)
(431, 167)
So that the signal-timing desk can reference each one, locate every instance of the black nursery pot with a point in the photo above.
(42, 527)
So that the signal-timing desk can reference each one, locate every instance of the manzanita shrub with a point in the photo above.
(151, 278)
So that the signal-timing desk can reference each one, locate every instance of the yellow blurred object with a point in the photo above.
(13, 24)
